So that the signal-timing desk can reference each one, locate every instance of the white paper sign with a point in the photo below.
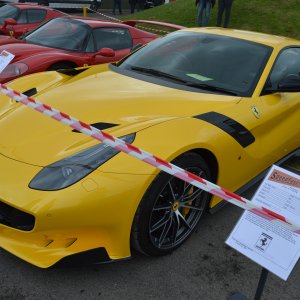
(266, 242)
(5, 58)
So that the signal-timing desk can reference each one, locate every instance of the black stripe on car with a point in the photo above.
(241, 134)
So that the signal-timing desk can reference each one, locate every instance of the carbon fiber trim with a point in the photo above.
(30, 92)
(241, 134)
(98, 255)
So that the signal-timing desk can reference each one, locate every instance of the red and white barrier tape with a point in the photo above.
(149, 158)
(152, 29)
(106, 16)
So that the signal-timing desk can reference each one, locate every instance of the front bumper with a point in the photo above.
(96, 212)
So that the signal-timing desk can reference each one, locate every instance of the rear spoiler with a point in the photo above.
(133, 23)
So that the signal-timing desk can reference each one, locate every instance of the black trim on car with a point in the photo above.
(15, 218)
(30, 92)
(241, 134)
(98, 255)
(72, 71)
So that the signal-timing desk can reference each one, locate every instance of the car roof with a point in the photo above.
(95, 22)
(261, 38)
(32, 6)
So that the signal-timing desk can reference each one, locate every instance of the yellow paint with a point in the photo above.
(98, 211)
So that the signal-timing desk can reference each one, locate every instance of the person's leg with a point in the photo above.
(221, 7)
(207, 13)
(114, 7)
(120, 6)
(132, 6)
(228, 5)
(200, 11)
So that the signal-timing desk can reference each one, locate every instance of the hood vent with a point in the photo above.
(72, 71)
(100, 126)
(30, 92)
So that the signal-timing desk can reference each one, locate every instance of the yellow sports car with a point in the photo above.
(223, 104)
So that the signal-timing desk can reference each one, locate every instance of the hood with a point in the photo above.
(24, 50)
(119, 103)
(6, 39)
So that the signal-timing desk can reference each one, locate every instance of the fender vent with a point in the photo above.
(240, 133)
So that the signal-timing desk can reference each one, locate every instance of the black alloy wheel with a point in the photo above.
(170, 209)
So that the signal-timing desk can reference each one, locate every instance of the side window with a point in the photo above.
(36, 15)
(90, 47)
(22, 19)
(112, 37)
(288, 62)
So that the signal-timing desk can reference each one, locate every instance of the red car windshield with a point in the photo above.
(8, 11)
(61, 33)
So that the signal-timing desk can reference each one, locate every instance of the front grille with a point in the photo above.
(15, 218)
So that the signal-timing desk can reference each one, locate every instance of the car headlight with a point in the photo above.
(15, 69)
(68, 171)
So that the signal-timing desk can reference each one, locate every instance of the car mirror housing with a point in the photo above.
(9, 21)
(289, 83)
(106, 52)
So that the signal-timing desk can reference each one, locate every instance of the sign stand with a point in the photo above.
(259, 290)
(261, 283)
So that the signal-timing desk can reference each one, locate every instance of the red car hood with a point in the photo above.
(6, 39)
(24, 50)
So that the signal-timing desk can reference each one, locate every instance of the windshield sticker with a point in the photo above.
(199, 77)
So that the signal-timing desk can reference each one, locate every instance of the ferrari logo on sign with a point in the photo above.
(255, 111)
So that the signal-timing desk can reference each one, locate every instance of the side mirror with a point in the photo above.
(289, 83)
(106, 52)
(9, 21)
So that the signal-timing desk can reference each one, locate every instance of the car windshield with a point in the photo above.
(62, 33)
(8, 11)
(200, 60)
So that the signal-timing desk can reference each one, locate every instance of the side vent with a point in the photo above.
(241, 134)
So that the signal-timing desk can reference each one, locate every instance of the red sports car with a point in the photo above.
(69, 42)
(18, 19)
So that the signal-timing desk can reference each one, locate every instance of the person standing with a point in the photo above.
(132, 5)
(224, 5)
(117, 3)
(204, 5)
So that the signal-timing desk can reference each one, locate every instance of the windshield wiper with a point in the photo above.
(213, 88)
(202, 86)
(158, 73)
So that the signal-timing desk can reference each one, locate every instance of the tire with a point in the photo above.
(61, 66)
(165, 218)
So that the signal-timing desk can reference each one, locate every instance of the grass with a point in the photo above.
(280, 17)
